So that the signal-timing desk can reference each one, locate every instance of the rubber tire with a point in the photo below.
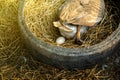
(68, 57)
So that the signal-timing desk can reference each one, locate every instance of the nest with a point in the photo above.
(40, 15)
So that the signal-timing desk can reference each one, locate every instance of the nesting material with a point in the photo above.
(40, 15)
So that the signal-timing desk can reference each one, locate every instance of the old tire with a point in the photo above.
(68, 57)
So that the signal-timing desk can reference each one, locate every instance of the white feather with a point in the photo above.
(68, 34)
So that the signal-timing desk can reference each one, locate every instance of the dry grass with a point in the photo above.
(40, 15)
(17, 64)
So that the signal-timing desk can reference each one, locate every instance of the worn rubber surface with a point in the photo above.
(68, 57)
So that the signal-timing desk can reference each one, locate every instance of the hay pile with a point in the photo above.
(40, 15)
(17, 64)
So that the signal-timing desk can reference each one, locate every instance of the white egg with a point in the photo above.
(60, 40)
